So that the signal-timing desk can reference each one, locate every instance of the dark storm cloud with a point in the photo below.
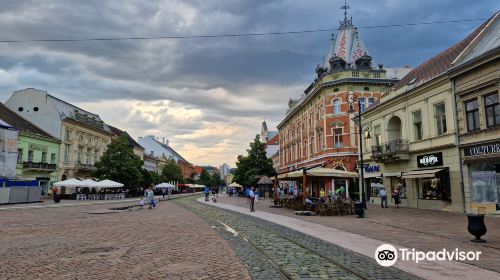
(246, 78)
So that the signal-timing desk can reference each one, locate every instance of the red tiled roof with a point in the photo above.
(198, 169)
(439, 63)
(274, 141)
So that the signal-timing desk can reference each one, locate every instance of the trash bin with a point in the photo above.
(57, 198)
(359, 209)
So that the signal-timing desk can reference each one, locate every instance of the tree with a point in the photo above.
(215, 180)
(150, 178)
(204, 178)
(171, 172)
(120, 164)
(255, 163)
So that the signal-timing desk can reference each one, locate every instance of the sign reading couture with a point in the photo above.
(484, 149)
(429, 160)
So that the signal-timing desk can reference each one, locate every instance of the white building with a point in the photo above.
(153, 147)
(225, 170)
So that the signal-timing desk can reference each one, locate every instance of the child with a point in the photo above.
(141, 204)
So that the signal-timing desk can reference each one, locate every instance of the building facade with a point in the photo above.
(38, 152)
(84, 136)
(318, 128)
(413, 137)
(136, 147)
(476, 78)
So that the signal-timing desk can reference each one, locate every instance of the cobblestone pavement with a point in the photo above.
(168, 242)
(413, 228)
(277, 252)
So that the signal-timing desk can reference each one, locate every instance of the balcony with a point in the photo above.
(391, 151)
(84, 166)
(39, 166)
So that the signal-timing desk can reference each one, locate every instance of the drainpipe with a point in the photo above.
(457, 143)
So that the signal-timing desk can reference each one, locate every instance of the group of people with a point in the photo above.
(395, 195)
(149, 194)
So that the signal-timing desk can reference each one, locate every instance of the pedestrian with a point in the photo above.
(322, 193)
(163, 191)
(383, 197)
(151, 199)
(257, 193)
(252, 199)
(396, 196)
(207, 192)
(141, 203)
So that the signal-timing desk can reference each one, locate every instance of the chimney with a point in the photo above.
(166, 142)
(163, 141)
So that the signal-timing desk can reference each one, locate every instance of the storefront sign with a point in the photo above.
(336, 161)
(429, 160)
(485, 149)
(372, 168)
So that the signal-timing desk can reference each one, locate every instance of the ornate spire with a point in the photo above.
(347, 22)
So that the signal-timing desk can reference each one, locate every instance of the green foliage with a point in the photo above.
(255, 163)
(215, 180)
(150, 178)
(171, 172)
(205, 178)
(120, 164)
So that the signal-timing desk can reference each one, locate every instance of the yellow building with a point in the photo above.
(413, 137)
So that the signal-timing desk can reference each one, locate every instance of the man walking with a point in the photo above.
(252, 199)
(383, 198)
(207, 192)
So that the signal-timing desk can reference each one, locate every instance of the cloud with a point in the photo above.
(208, 96)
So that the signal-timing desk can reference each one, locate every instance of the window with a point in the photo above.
(378, 136)
(362, 104)
(44, 157)
(30, 155)
(417, 124)
(368, 142)
(492, 110)
(35, 109)
(355, 74)
(336, 107)
(20, 109)
(472, 115)
(337, 137)
(66, 153)
(68, 135)
(436, 188)
(336, 90)
(440, 114)
(52, 158)
(19, 155)
(366, 89)
(371, 100)
(376, 75)
(311, 146)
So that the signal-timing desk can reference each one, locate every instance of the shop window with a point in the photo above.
(440, 115)
(472, 115)
(401, 185)
(336, 107)
(435, 188)
(337, 137)
(484, 180)
(492, 110)
(375, 186)
(417, 124)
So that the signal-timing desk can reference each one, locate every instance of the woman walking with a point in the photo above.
(395, 195)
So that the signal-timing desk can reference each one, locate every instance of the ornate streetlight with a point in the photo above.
(352, 99)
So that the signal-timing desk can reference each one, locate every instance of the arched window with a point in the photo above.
(362, 104)
(336, 107)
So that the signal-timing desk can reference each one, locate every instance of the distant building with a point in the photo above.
(38, 152)
(224, 171)
(84, 136)
(273, 146)
(265, 134)
(211, 169)
(162, 151)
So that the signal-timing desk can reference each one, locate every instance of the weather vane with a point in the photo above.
(346, 21)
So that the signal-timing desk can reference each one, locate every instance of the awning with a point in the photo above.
(289, 175)
(392, 174)
(372, 175)
(319, 172)
(430, 173)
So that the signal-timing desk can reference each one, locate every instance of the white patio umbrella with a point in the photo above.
(164, 186)
(69, 183)
(89, 183)
(109, 184)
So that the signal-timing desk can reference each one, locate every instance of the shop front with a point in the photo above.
(482, 177)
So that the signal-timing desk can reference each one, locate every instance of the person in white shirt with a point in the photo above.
(383, 197)
(252, 199)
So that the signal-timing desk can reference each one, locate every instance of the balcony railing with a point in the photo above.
(84, 166)
(391, 151)
(43, 166)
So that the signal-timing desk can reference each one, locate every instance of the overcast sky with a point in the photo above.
(207, 96)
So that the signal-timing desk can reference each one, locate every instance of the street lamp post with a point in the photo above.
(361, 164)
